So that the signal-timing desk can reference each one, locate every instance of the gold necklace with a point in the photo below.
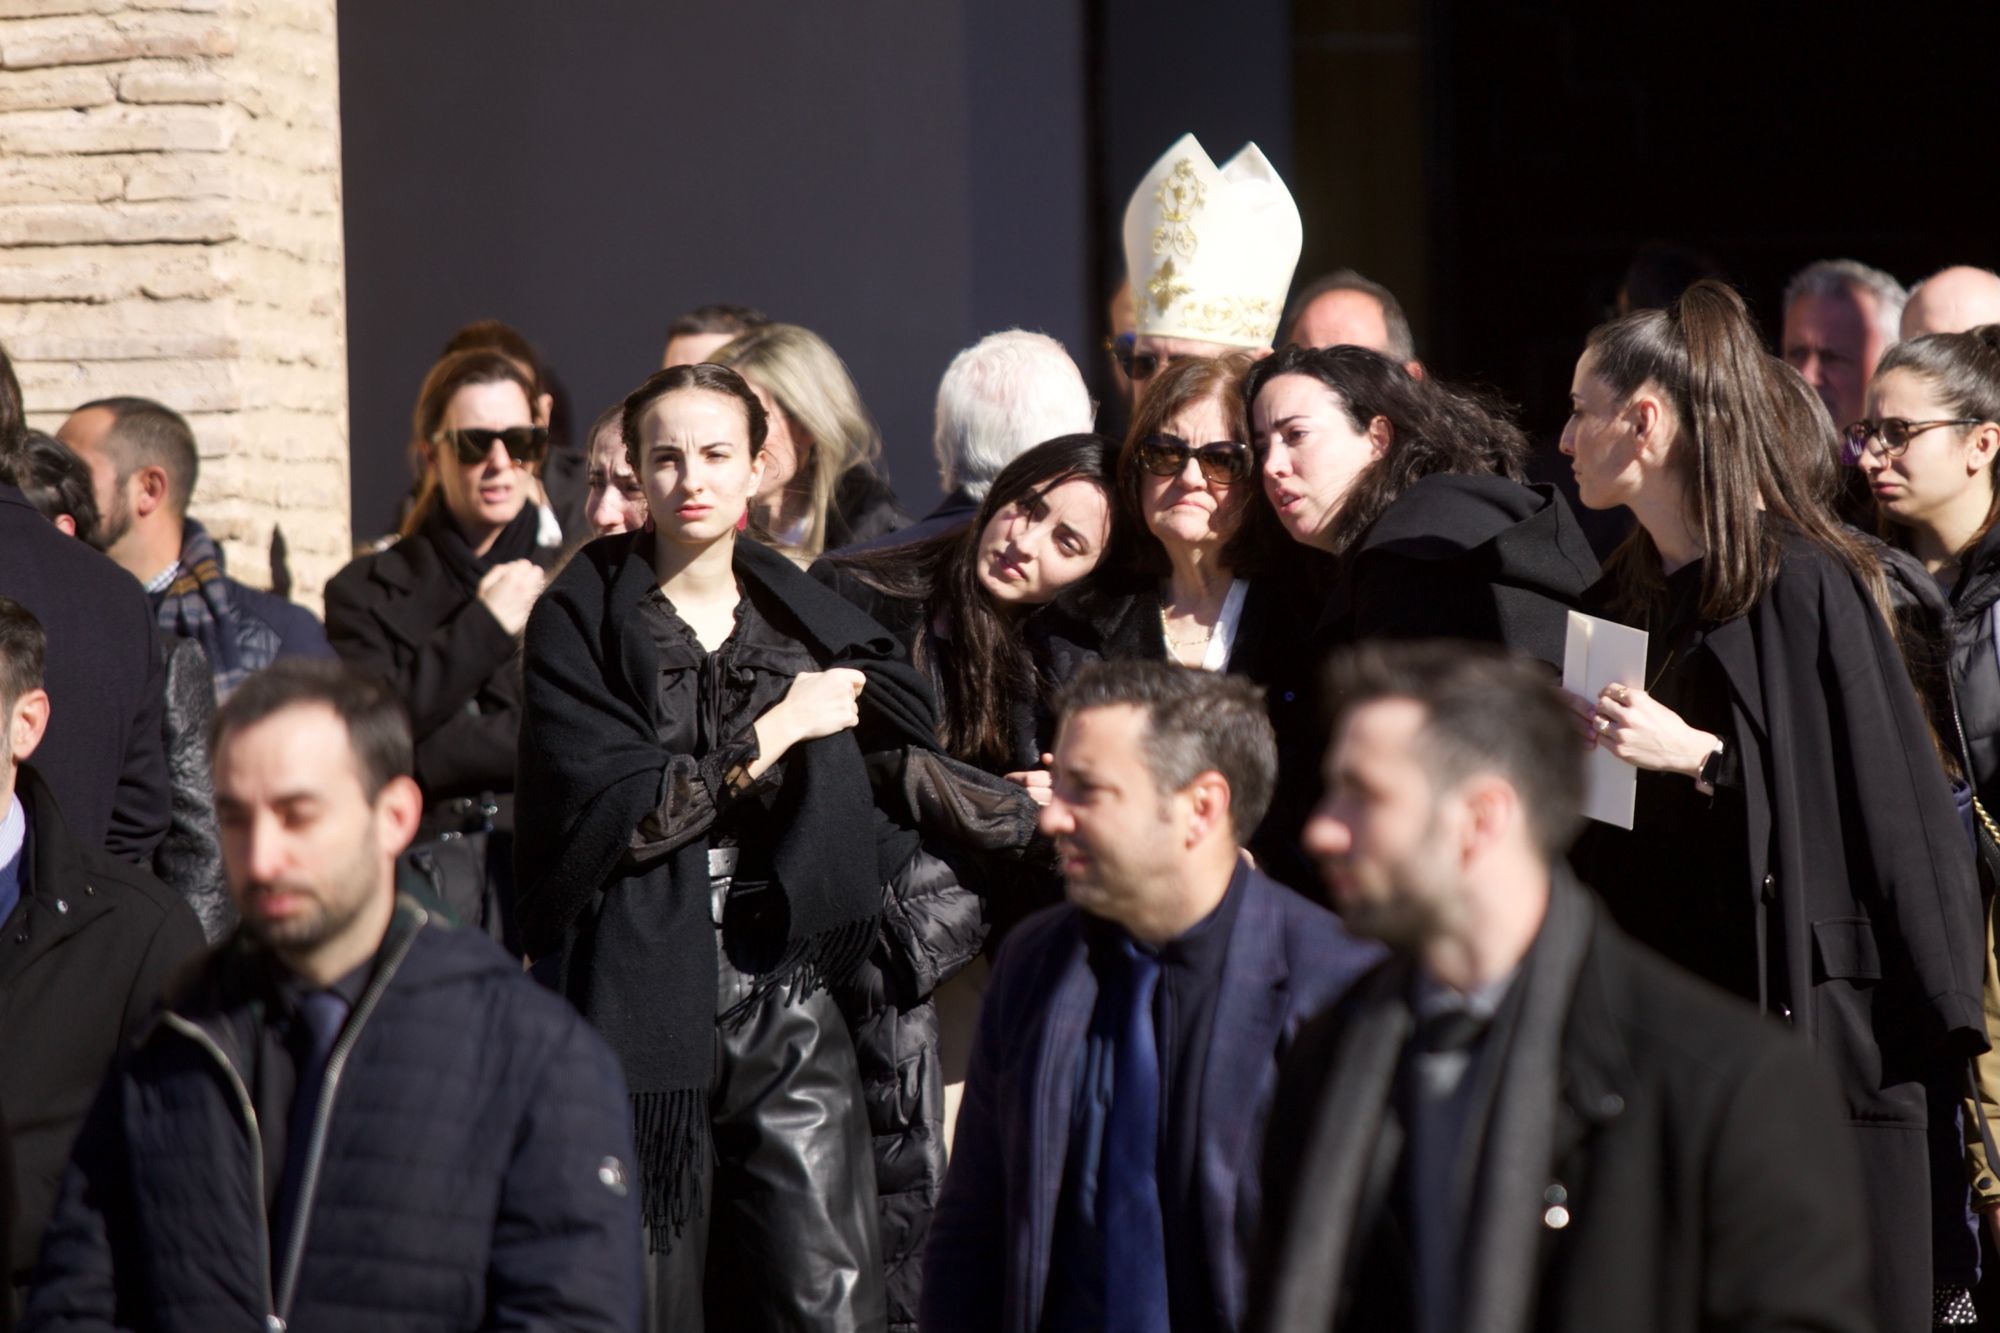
(1207, 633)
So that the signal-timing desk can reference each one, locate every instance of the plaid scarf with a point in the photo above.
(200, 604)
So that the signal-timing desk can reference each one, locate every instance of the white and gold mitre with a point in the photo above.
(1210, 252)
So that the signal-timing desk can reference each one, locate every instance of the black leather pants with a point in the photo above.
(787, 1235)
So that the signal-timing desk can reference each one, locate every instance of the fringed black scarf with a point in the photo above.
(636, 942)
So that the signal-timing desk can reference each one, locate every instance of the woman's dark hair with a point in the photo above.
(55, 481)
(1434, 428)
(982, 668)
(707, 376)
(494, 335)
(1741, 450)
(1964, 370)
(1175, 389)
(441, 385)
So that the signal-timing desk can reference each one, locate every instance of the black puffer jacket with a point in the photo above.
(1958, 646)
(474, 1174)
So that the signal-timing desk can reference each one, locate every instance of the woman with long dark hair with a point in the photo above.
(1794, 837)
(439, 614)
(1414, 492)
(1927, 450)
(958, 600)
(721, 891)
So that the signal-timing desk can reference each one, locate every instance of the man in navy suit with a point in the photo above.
(1104, 1173)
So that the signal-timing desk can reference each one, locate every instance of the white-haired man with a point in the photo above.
(999, 398)
(1840, 316)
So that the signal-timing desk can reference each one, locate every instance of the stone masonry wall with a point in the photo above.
(170, 226)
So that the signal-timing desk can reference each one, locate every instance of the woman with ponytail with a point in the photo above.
(1926, 451)
(1794, 837)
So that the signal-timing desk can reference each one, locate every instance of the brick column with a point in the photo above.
(170, 226)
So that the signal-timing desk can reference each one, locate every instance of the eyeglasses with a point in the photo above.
(525, 444)
(1894, 432)
(1223, 462)
(1137, 365)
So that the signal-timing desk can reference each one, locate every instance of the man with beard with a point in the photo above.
(1104, 1173)
(352, 1115)
(90, 941)
(1523, 1120)
(143, 468)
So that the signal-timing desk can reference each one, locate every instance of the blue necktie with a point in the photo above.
(322, 1013)
(1135, 1246)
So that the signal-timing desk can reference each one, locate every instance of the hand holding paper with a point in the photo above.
(1600, 653)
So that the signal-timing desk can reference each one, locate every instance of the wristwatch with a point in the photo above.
(1710, 773)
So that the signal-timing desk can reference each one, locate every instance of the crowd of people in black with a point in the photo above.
(676, 889)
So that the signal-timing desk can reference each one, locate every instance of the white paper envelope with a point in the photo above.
(1600, 653)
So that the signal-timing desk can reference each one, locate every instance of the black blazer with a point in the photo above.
(104, 755)
(1700, 1177)
(87, 954)
(1119, 618)
(400, 615)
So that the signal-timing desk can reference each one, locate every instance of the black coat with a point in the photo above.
(1118, 618)
(930, 926)
(1700, 1179)
(954, 510)
(863, 507)
(1861, 879)
(476, 1169)
(1465, 557)
(400, 615)
(90, 947)
(102, 755)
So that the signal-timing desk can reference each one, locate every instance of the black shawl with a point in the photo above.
(636, 941)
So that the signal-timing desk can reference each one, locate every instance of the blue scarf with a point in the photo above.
(200, 604)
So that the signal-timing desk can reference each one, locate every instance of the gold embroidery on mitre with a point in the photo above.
(1164, 289)
(1252, 317)
(1180, 197)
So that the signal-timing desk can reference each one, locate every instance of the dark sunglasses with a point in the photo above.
(1894, 432)
(1137, 365)
(525, 444)
(1223, 462)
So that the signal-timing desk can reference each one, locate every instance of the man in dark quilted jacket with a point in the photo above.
(351, 1115)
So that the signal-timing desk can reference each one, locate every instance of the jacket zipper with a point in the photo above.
(336, 1062)
(193, 1032)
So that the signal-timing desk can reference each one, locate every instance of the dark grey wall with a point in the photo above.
(899, 177)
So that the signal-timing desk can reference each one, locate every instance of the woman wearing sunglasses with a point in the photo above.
(1203, 582)
(1794, 837)
(1414, 491)
(439, 616)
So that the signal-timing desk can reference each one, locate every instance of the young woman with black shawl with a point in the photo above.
(439, 614)
(1795, 839)
(707, 863)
